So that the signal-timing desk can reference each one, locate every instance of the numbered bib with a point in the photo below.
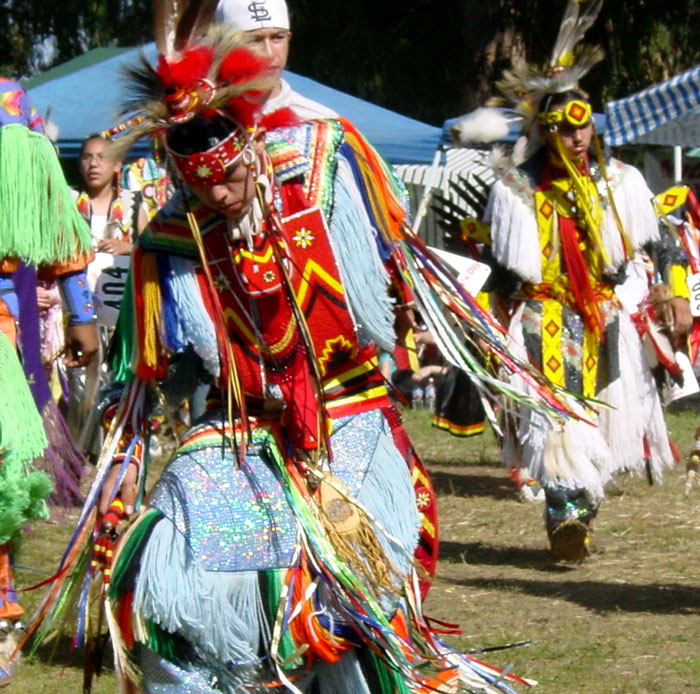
(107, 275)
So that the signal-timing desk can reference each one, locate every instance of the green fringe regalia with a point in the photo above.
(39, 222)
(22, 438)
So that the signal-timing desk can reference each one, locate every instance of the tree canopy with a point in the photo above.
(429, 59)
(433, 60)
(38, 34)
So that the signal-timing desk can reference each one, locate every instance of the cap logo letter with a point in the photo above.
(258, 11)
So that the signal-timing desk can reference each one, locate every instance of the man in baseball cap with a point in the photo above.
(268, 20)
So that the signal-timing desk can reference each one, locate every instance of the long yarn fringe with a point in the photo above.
(39, 222)
(62, 460)
(22, 490)
(21, 430)
(364, 277)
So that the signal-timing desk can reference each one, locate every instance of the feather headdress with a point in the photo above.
(526, 86)
(202, 70)
(523, 88)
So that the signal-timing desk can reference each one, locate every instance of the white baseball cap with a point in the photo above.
(248, 15)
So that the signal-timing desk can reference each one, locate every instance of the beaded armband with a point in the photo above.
(77, 298)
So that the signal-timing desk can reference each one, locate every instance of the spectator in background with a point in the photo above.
(116, 217)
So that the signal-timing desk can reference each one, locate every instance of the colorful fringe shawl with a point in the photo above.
(154, 319)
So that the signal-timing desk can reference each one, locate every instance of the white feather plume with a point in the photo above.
(499, 159)
(480, 126)
(521, 151)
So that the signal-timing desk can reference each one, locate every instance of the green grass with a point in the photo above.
(626, 621)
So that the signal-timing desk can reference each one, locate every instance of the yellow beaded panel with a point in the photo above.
(589, 367)
(552, 356)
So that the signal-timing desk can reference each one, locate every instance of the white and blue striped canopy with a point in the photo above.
(665, 114)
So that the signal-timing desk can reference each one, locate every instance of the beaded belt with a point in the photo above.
(560, 290)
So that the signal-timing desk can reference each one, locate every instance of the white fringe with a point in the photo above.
(514, 236)
(580, 455)
(633, 201)
(195, 325)
(362, 271)
(388, 493)
(638, 410)
(574, 456)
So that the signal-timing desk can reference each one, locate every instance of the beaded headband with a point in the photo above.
(575, 113)
(210, 167)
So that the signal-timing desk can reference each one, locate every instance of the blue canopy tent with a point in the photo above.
(84, 94)
(401, 140)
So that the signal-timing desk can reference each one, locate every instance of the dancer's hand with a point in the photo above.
(425, 372)
(81, 345)
(128, 490)
(46, 298)
(681, 317)
(115, 246)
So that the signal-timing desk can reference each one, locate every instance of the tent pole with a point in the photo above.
(677, 164)
(428, 190)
